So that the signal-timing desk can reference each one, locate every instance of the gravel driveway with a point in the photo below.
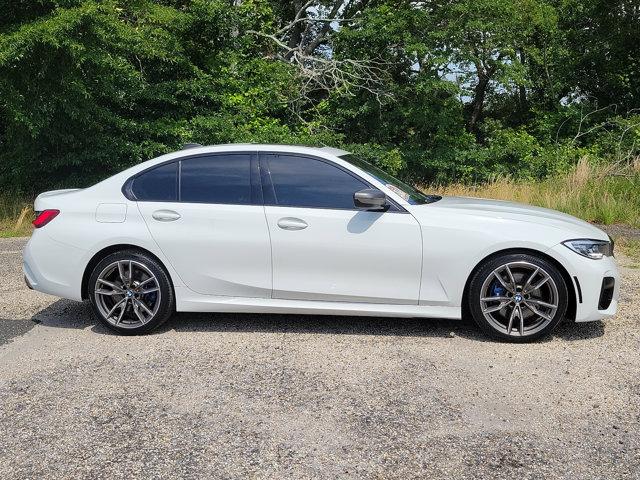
(275, 396)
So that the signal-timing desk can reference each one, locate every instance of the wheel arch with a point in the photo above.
(572, 303)
(98, 256)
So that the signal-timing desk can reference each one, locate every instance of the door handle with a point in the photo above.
(290, 223)
(165, 215)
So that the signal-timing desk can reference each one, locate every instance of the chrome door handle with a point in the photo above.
(165, 215)
(290, 223)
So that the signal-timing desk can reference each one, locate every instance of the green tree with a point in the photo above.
(87, 88)
(602, 60)
(433, 90)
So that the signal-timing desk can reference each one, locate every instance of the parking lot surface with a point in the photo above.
(276, 396)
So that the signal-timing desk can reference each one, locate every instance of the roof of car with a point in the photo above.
(271, 147)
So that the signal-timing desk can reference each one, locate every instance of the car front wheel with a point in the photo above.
(517, 297)
(131, 293)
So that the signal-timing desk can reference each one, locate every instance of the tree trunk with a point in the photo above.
(477, 104)
(295, 35)
(522, 92)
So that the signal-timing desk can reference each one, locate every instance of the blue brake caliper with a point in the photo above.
(497, 290)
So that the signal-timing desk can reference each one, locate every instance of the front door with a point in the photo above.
(323, 248)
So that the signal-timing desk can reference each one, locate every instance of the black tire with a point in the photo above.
(134, 320)
(485, 281)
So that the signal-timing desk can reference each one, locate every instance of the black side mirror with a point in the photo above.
(370, 199)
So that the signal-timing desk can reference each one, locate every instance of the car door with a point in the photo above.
(324, 248)
(205, 212)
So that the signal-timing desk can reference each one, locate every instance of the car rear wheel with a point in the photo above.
(517, 297)
(131, 293)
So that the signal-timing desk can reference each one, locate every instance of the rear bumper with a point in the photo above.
(588, 279)
(53, 267)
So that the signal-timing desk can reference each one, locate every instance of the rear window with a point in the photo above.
(158, 184)
(216, 179)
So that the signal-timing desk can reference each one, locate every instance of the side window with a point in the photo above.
(222, 178)
(307, 182)
(158, 184)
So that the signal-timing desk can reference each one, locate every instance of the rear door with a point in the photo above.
(205, 212)
(324, 248)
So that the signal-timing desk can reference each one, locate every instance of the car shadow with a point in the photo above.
(69, 314)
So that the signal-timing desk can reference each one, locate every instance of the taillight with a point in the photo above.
(44, 217)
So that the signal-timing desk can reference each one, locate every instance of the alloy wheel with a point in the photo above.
(127, 294)
(519, 298)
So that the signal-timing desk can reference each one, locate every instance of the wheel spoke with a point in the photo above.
(136, 310)
(491, 299)
(102, 291)
(110, 284)
(122, 310)
(511, 279)
(539, 284)
(511, 318)
(521, 320)
(541, 303)
(123, 277)
(530, 279)
(537, 312)
(501, 280)
(144, 307)
(117, 304)
(495, 308)
(150, 279)
(130, 272)
(149, 290)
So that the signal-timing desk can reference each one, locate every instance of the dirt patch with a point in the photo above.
(621, 231)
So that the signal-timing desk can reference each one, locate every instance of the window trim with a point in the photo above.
(254, 179)
(268, 188)
(260, 178)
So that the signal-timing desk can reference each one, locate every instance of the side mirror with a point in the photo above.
(370, 199)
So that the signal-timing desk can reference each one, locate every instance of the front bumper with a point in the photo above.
(588, 280)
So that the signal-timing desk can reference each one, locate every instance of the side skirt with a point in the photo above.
(187, 301)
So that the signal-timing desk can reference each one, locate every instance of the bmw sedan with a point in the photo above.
(290, 229)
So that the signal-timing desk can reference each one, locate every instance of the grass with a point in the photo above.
(15, 216)
(595, 194)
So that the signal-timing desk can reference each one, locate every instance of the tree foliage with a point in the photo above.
(435, 90)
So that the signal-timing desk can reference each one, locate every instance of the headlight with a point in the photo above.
(595, 249)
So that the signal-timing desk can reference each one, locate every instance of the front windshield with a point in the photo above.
(412, 195)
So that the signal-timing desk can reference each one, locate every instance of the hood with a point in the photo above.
(519, 212)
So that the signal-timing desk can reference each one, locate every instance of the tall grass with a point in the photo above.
(593, 193)
(16, 214)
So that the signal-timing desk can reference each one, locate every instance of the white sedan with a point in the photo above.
(288, 229)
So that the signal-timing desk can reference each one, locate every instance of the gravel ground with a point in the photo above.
(621, 231)
(275, 396)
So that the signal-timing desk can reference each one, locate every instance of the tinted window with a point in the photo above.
(307, 182)
(158, 184)
(407, 192)
(216, 179)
